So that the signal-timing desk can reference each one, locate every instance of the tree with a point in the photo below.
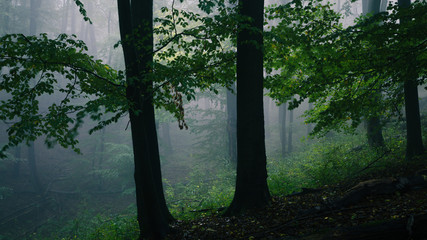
(232, 125)
(321, 60)
(100, 89)
(373, 123)
(136, 31)
(251, 180)
(282, 122)
(414, 140)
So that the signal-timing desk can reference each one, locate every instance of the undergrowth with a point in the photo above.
(318, 163)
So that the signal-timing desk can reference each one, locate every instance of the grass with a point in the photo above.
(316, 164)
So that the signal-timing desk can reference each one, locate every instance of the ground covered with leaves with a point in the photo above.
(296, 216)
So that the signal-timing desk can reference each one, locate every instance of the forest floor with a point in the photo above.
(297, 216)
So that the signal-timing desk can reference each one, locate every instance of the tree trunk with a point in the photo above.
(136, 24)
(266, 116)
(64, 24)
(17, 163)
(414, 141)
(291, 120)
(373, 124)
(34, 15)
(309, 125)
(167, 138)
(374, 132)
(33, 169)
(251, 180)
(282, 123)
(231, 125)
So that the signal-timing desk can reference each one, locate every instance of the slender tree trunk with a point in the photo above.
(33, 169)
(251, 180)
(91, 35)
(309, 125)
(374, 127)
(32, 164)
(34, 15)
(64, 24)
(414, 141)
(232, 125)
(73, 19)
(167, 138)
(266, 116)
(282, 122)
(135, 21)
(17, 163)
(290, 134)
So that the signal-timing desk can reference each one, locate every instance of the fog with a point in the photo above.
(64, 191)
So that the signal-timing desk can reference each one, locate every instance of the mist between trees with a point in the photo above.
(193, 107)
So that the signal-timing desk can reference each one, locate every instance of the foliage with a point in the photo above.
(338, 68)
(30, 69)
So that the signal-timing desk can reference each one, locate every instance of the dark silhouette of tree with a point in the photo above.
(251, 181)
(373, 123)
(414, 141)
(136, 31)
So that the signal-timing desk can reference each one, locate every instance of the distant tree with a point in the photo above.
(290, 134)
(321, 60)
(232, 124)
(282, 122)
(251, 180)
(373, 123)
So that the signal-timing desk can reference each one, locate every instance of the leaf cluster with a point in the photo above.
(348, 73)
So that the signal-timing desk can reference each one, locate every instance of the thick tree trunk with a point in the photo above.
(232, 125)
(153, 215)
(374, 132)
(251, 181)
(282, 122)
(414, 141)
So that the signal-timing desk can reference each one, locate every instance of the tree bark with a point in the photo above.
(414, 141)
(231, 125)
(282, 123)
(136, 24)
(251, 180)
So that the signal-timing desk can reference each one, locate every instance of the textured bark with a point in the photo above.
(282, 122)
(414, 141)
(251, 180)
(232, 125)
(153, 215)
